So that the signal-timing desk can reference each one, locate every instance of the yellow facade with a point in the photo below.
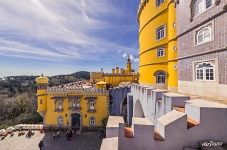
(96, 77)
(101, 85)
(70, 107)
(116, 77)
(152, 67)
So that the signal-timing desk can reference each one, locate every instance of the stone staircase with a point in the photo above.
(198, 121)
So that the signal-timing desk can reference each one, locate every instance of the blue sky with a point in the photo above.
(65, 36)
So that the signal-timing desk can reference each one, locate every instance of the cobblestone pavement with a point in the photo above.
(84, 141)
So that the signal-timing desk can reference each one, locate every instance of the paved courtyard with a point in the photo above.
(84, 141)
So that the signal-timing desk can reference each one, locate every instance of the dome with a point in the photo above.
(42, 80)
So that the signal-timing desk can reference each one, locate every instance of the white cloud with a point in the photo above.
(52, 22)
(132, 57)
(124, 55)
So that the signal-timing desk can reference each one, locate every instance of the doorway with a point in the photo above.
(76, 121)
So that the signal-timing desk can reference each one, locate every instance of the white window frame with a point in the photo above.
(92, 121)
(161, 34)
(60, 106)
(75, 104)
(203, 33)
(159, 2)
(201, 7)
(204, 70)
(162, 76)
(161, 52)
(60, 120)
(91, 105)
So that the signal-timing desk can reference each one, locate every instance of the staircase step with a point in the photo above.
(128, 132)
(157, 136)
(191, 123)
(180, 109)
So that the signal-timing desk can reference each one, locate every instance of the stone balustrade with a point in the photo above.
(21, 127)
(71, 90)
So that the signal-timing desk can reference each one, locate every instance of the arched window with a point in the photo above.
(203, 35)
(205, 71)
(92, 121)
(202, 5)
(160, 77)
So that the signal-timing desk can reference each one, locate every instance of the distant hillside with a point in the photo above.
(18, 97)
(64, 79)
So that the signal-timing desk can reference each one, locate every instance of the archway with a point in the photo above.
(138, 110)
(123, 109)
(76, 121)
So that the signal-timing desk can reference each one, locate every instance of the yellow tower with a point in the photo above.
(42, 83)
(128, 66)
(158, 44)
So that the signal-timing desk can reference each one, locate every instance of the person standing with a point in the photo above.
(41, 145)
(58, 134)
(54, 135)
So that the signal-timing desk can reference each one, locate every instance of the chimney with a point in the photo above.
(113, 71)
(117, 70)
(122, 71)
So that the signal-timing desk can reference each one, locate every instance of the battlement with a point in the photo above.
(76, 91)
(140, 8)
(172, 130)
(122, 74)
(169, 121)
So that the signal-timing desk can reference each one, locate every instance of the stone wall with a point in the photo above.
(189, 52)
(117, 96)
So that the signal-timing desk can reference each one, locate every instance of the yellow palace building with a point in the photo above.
(113, 79)
(75, 105)
(158, 44)
(121, 75)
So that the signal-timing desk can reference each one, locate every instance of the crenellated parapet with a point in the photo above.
(122, 74)
(54, 91)
(141, 6)
(200, 121)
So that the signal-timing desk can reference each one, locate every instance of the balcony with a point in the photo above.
(75, 108)
(58, 110)
(91, 110)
